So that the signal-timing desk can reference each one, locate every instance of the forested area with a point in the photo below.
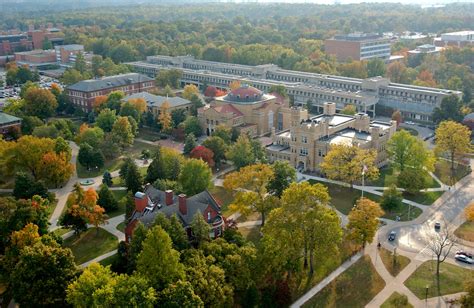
(290, 36)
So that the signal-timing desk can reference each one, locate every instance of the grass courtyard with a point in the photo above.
(354, 288)
(343, 199)
(388, 177)
(466, 231)
(92, 243)
(393, 265)
(452, 279)
(397, 300)
(443, 171)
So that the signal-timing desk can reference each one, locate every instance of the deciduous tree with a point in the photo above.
(241, 152)
(346, 163)
(192, 126)
(363, 221)
(179, 294)
(189, 143)
(106, 119)
(284, 175)
(349, 110)
(201, 152)
(189, 91)
(452, 138)
(407, 151)
(158, 260)
(195, 176)
(250, 184)
(200, 229)
(164, 117)
(217, 146)
(122, 132)
(392, 198)
(40, 103)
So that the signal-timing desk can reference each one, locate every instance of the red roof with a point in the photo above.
(228, 108)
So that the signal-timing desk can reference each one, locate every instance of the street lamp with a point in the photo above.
(426, 294)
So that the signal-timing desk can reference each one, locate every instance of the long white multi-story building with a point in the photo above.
(415, 103)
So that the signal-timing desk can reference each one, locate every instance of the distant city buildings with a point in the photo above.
(35, 59)
(358, 46)
(66, 54)
(457, 39)
(305, 144)
(83, 93)
(415, 103)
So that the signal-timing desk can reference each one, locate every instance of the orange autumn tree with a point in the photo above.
(139, 104)
(55, 168)
(99, 103)
(425, 79)
(83, 205)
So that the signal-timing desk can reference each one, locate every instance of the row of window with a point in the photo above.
(408, 95)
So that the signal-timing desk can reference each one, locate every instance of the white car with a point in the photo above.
(464, 258)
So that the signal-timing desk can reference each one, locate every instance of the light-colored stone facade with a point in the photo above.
(247, 109)
(309, 139)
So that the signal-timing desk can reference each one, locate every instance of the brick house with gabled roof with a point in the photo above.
(151, 202)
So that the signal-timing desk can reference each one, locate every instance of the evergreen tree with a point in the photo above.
(189, 143)
(107, 178)
(175, 230)
(156, 168)
(107, 199)
(200, 229)
(26, 187)
(133, 180)
(129, 205)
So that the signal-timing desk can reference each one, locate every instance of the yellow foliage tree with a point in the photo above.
(189, 91)
(251, 185)
(363, 221)
(164, 118)
(452, 138)
(346, 163)
(234, 84)
(469, 212)
(139, 103)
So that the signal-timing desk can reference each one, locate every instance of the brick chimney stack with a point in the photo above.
(168, 197)
(183, 208)
(141, 201)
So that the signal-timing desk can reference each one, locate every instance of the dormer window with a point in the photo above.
(208, 216)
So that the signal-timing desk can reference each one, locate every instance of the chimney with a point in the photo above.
(141, 201)
(168, 197)
(183, 208)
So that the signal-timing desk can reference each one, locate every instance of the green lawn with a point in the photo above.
(443, 171)
(51, 207)
(121, 227)
(91, 244)
(118, 194)
(397, 300)
(388, 177)
(223, 197)
(425, 198)
(412, 131)
(466, 231)
(61, 231)
(452, 279)
(354, 288)
(109, 260)
(393, 265)
(343, 199)
(148, 134)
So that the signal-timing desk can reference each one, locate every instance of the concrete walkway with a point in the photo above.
(341, 269)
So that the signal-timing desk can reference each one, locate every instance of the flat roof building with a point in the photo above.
(425, 49)
(358, 46)
(36, 58)
(459, 39)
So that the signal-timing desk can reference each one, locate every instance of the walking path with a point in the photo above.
(313, 291)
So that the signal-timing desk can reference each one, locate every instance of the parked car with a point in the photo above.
(392, 236)
(467, 254)
(464, 258)
(437, 226)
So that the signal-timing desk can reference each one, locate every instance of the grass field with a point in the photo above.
(148, 134)
(466, 231)
(91, 244)
(388, 177)
(443, 172)
(354, 288)
(121, 227)
(61, 231)
(425, 198)
(397, 300)
(109, 260)
(343, 199)
(394, 268)
(452, 279)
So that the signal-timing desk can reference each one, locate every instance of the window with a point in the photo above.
(208, 216)
(303, 151)
(304, 139)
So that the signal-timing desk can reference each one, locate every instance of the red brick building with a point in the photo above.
(12, 43)
(83, 93)
(152, 202)
(35, 58)
(358, 46)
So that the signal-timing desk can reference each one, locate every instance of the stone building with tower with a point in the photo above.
(305, 144)
(247, 109)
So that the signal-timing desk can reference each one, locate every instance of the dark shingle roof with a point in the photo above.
(194, 204)
(6, 118)
(108, 82)
(156, 100)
